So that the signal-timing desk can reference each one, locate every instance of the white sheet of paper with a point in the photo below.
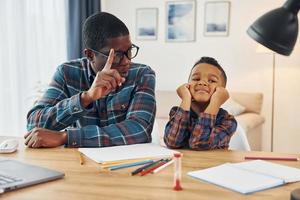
(126, 152)
(236, 179)
(288, 174)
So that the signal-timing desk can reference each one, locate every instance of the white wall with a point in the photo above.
(246, 69)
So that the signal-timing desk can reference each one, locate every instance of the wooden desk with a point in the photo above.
(86, 181)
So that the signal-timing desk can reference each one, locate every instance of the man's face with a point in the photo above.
(203, 81)
(121, 62)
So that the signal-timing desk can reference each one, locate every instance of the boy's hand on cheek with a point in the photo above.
(184, 93)
(217, 99)
(219, 96)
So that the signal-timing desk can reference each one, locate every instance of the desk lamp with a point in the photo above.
(278, 28)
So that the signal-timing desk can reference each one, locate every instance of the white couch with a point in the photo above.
(250, 120)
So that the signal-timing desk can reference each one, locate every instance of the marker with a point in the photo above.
(122, 166)
(150, 169)
(163, 166)
(271, 158)
(138, 170)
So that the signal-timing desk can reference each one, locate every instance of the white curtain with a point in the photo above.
(32, 44)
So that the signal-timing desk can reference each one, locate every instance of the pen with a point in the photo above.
(122, 166)
(138, 170)
(272, 158)
(163, 166)
(153, 167)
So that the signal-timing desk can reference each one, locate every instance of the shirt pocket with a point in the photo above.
(118, 105)
(118, 112)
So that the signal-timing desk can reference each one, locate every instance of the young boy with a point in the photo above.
(199, 123)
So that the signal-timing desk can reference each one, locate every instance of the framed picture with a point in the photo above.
(216, 19)
(146, 23)
(180, 21)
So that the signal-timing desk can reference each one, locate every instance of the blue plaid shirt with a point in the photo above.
(125, 116)
(186, 129)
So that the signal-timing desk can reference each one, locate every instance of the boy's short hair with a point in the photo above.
(211, 61)
(99, 27)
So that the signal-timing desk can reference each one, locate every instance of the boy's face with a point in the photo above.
(120, 45)
(204, 80)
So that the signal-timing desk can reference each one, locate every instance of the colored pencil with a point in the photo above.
(271, 158)
(127, 165)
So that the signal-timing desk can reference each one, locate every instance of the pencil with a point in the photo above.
(271, 158)
(81, 161)
(121, 162)
(163, 166)
(122, 166)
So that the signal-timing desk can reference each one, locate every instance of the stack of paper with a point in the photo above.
(110, 156)
(248, 177)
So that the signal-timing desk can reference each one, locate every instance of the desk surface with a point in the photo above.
(87, 182)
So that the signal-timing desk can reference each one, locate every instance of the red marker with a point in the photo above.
(150, 169)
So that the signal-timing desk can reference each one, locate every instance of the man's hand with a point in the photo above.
(40, 137)
(217, 99)
(184, 93)
(106, 81)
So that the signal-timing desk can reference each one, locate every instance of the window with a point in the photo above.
(33, 43)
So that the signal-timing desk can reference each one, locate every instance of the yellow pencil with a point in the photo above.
(81, 161)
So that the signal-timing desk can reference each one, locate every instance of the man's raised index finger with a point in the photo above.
(110, 60)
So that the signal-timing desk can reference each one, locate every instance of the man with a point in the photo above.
(101, 100)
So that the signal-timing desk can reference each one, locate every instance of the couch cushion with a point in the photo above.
(233, 107)
(249, 120)
(251, 101)
(165, 100)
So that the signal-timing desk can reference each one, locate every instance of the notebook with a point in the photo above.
(15, 174)
(248, 177)
(122, 154)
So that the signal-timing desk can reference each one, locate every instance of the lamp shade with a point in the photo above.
(277, 29)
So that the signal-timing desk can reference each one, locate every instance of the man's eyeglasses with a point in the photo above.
(119, 55)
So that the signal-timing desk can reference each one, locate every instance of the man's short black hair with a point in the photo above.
(99, 27)
(214, 62)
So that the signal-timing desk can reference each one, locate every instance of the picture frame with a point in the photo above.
(180, 21)
(216, 18)
(146, 23)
